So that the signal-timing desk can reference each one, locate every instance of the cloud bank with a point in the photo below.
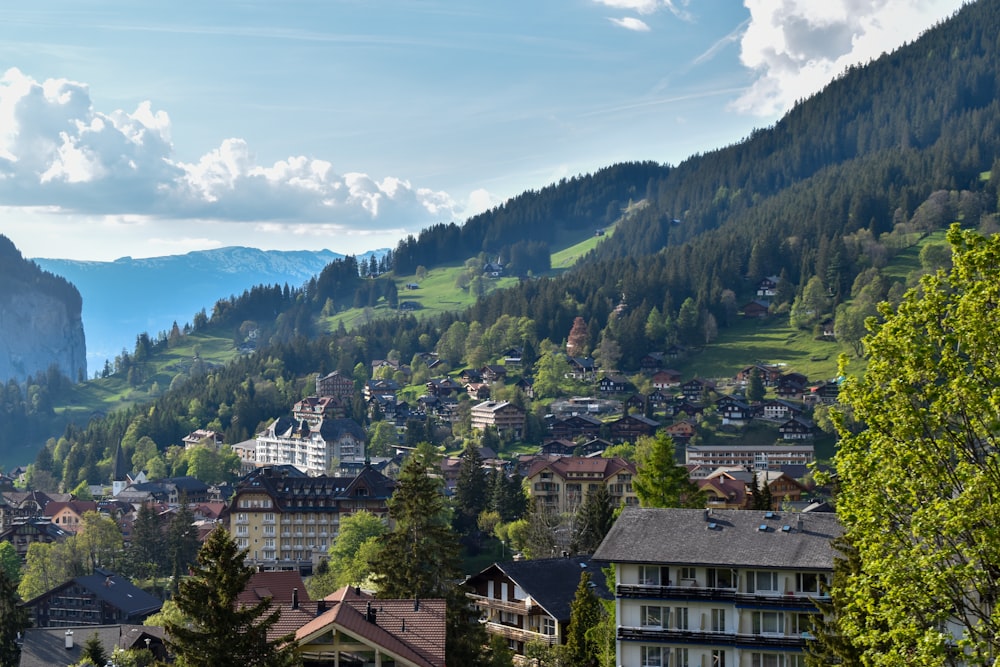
(796, 47)
(57, 152)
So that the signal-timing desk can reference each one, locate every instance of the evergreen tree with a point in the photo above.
(659, 481)
(586, 612)
(94, 651)
(182, 541)
(222, 633)
(593, 520)
(13, 620)
(145, 556)
(470, 490)
(755, 386)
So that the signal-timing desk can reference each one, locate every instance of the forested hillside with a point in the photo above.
(823, 201)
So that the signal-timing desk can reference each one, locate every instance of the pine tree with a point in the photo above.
(659, 480)
(593, 520)
(13, 621)
(146, 556)
(470, 491)
(223, 633)
(586, 612)
(755, 386)
(182, 541)
(94, 651)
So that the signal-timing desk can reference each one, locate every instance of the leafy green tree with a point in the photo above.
(659, 480)
(586, 613)
(13, 620)
(811, 304)
(500, 654)
(383, 439)
(593, 520)
(10, 562)
(550, 373)
(100, 541)
(919, 483)
(357, 540)
(221, 632)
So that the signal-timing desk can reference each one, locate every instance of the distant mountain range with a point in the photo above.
(126, 297)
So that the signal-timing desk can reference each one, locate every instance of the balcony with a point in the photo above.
(503, 605)
(518, 634)
(744, 641)
(788, 600)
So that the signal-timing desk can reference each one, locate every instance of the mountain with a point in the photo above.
(128, 296)
(40, 320)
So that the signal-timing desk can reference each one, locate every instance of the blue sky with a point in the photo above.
(155, 128)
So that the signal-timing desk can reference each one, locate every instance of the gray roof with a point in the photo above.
(45, 647)
(729, 538)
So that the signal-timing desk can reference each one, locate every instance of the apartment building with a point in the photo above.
(759, 457)
(717, 588)
(311, 447)
(287, 519)
(501, 415)
(562, 484)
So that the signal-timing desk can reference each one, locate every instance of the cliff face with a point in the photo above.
(40, 321)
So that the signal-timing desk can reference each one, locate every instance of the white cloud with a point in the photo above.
(646, 7)
(796, 47)
(57, 151)
(630, 23)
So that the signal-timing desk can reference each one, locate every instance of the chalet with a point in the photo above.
(575, 426)
(769, 374)
(478, 390)
(615, 384)
(592, 447)
(469, 375)
(768, 287)
(69, 515)
(25, 532)
(824, 392)
(636, 402)
(689, 408)
(211, 439)
(493, 269)
(797, 428)
(781, 487)
(675, 351)
(582, 368)
(102, 598)
(501, 415)
(335, 384)
(528, 601)
(721, 492)
(696, 388)
(658, 400)
(558, 447)
(792, 386)
(756, 310)
(827, 329)
(630, 427)
(779, 409)
(666, 379)
(493, 373)
(681, 431)
(30, 504)
(512, 356)
(734, 412)
(652, 361)
(444, 387)
(410, 306)
(526, 386)
(381, 387)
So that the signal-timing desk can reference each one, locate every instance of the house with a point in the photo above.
(380, 387)
(615, 384)
(575, 426)
(30, 504)
(769, 374)
(528, 601)
(666, 379)
(756, 310)
(479, 391)
(695, 388)
(211, 439)
(582, 368)
(102, 598)
(470, 375)
(717, 587)
(526, 386)
(759, 457)
(721, 492)
(779, 409)
(287, 520)
(791, 386)
(797, 428)
(22, 533)
(444, 387)
(628, 428)
(314, 409)
(513, 356)
(558, 447)
(504, 416)
(652, 361)
(493, 373)
(657, 399)
(69, 515)
(335, 384)
(780, 485)
(734, 412)
(826, 392)
(562, 483)
(352, 628)
(768, 287)
(682, 430)
(45, 647)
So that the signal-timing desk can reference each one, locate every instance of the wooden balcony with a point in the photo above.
(517, 634)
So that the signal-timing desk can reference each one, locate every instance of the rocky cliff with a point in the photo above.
(40, 320)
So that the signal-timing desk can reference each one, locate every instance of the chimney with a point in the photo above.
(321, 607)
(370, 614)
(69, 640)
(295, 598)
(798, 524)
(416, 604)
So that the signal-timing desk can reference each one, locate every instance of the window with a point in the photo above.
(721, 578)
(809, 582)
(718, 620)
(548, 626)
(768, 623)
(651, 656)
(681, 618)
(688, 573)
(801, 623)
(242, 530)
(681, 657)
(654, 616)
(649, 575)
(769, 660)
(762, 582)
(718, 658)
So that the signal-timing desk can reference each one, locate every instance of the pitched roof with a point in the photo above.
(114, 590)
(565, 465)
(277, 585)
(552, 582)
(654, 535)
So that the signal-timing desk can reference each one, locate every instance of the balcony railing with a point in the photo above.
(518, 634)
(703, 637)
(797, 600)
(502, 605)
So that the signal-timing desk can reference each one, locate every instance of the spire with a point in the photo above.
(120, 469)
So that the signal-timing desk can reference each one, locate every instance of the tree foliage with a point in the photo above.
(13, 620)
(659, 480)
(221, 632)
(920, 482)
(586, 613)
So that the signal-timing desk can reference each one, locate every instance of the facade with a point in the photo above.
(311, 448)
(501, 415)
(726, 588)
(529, 601)
(335, 384)
(25, 532)
(562, 484)
(758, 457)
(287, 519)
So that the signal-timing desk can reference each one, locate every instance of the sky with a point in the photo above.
(155, 128)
